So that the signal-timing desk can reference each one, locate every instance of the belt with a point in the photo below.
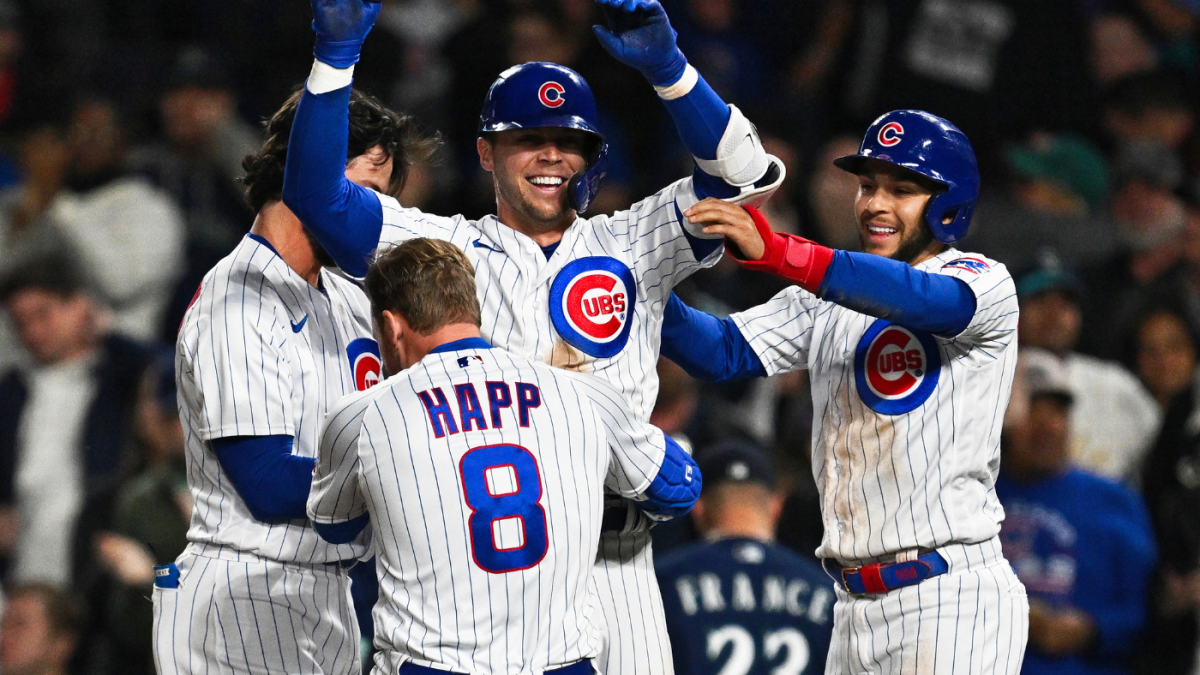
(583, 667)
(884, 577)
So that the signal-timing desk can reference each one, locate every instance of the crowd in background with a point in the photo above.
(123, 124)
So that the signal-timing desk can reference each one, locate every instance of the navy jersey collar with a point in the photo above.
(458, 345)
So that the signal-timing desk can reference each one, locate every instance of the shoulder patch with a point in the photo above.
(591, 305)
(972, 265)
(364, 363)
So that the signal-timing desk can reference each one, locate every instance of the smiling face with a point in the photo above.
(890, 207)
(530, 169)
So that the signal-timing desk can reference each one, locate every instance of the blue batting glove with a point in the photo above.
(640, 36)
(341, 26)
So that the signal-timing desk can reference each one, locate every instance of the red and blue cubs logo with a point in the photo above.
(895, 368)
(890, 134)
(364, 363)
(591, 305)
(972, 265)
(551, 94)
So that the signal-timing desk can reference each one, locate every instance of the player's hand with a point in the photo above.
(731, 221)
(640, 36)
(341, 26)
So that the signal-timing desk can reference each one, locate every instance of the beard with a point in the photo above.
(319, 253)
(510, 193)
(912, 244)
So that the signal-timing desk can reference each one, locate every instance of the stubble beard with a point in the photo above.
(511, 195)
(912, 244)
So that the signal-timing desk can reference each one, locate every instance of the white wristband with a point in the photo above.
(324, 78)
(682, 87)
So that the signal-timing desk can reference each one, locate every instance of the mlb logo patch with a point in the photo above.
(464, 361)
(972, 265)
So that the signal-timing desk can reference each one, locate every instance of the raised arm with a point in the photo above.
(345, 218)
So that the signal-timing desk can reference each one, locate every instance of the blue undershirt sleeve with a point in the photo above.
(706, 347)
(272, 481)
(342, 533)
(892, 290)
(345, 218)
(701, 118)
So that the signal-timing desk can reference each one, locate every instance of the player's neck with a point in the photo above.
(742, 523)
(417, 347)
(282, 229)
(543, 234)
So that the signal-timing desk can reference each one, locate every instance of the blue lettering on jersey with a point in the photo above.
(503, 488)
(528, 397)
(439, 413)
(896, 369)
(499, 396)
(469, 410)
(591, 305)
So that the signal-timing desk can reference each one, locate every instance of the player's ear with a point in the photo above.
(392, 326)
(484, 147)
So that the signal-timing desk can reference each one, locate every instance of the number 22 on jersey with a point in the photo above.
(502, 485)
(789, 641)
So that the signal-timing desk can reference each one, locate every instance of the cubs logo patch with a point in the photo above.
(972, 265)
(890, 134)
(895, 368)
(551, 94)
(364, 363)
(591, 305)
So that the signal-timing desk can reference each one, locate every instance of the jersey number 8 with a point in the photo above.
(502, 486)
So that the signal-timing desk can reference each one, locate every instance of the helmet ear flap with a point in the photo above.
(941, 205)
(584, 185)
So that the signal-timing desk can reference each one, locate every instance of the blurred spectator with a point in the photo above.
(1114, 419)
(1150, 221)
(64, 420)
(1119, 48)
(149, 523)
(1052, 200)
(198, 165)
(1165, 355)
(1150, 107)
(39, 631)
(731, 59)
(831, 193)
(1081, 544)
(738, 587)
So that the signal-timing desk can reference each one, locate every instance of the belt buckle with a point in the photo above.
(846, 584)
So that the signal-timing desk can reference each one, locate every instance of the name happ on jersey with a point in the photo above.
(592, 303)
(896, 369)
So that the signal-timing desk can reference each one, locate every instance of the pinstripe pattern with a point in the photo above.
(973, 620)
(513, 280)
(922, 479)
(919, 479)
(260, 352)
(381, 455)
(255, 616)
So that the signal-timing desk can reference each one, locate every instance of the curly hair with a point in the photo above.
(371, 124)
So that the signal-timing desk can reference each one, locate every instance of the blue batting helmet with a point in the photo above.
(933, 148)
(541, 94)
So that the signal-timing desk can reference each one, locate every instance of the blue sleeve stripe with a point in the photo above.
(273, 483)
(706, 347)
(893, 290)
(342, 533)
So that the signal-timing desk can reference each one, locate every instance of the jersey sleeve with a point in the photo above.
(636, 448)
(235, 374)
(401, 223)
(780, 330)
(664, 252)
(994, 326)
(336, 495)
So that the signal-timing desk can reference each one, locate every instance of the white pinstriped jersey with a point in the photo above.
(261, 352)
(906, 425)
(596, 305)
(483, 474)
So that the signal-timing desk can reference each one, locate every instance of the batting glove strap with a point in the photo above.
(338, 54)
(794, 258)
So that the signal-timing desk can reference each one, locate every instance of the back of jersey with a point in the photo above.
(483, 474)
(742, 607)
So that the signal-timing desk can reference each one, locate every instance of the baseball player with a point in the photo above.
(483, 475)
(738, 602)
(911, 349)
(581, 293)
(272, 340)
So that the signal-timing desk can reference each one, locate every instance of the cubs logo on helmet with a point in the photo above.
(591, 305)
(890, 134)
(551, 94)
(364, 363)
(895, 368)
